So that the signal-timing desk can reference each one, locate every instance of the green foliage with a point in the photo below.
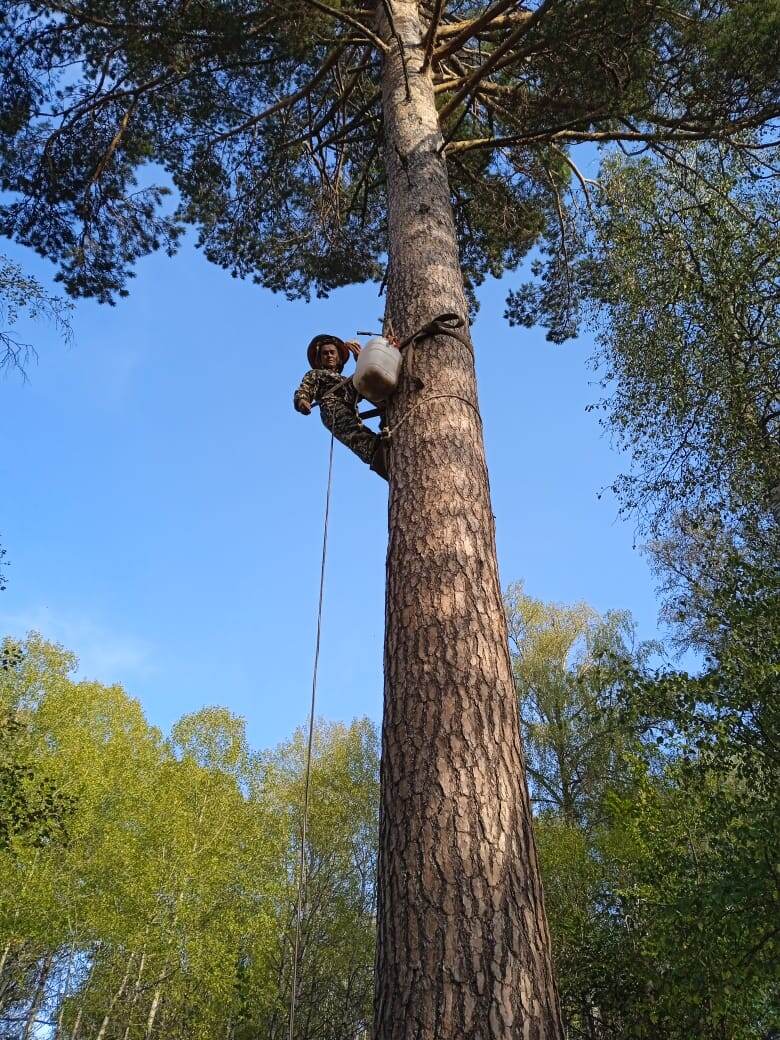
(661, 873)
(147, 886)
(267, 120)
(722, 731)
(23, 295)
(33, 810)
(340, 870)
(677, 266)
(575, 739)
(692, 342)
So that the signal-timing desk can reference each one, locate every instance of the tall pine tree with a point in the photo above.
(310, 142)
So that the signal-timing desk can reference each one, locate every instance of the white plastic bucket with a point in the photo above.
(377, 370)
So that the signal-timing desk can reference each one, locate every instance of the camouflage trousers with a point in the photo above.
(346, 425)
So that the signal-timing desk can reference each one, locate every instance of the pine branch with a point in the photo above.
(285, 102)
(345, 93)
(500, 52)
(115, 142)
(578, 136)
(388, 8)
(348, 19)
(357, 122)
(433, 28)
(464, 31)
(583, 180)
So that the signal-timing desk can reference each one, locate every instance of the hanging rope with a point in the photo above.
(310, 739)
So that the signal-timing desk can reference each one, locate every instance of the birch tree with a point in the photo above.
(315, 144)
(564, 659)
(339, 896)
(676, 267)
(147, 886)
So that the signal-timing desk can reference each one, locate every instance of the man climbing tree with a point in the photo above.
(310, 141)
(337, 398)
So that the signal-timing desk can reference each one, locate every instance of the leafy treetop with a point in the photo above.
(266, 118)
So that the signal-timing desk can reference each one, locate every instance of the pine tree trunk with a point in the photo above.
(463, 946)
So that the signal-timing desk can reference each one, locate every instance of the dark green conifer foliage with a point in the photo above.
(265, 117)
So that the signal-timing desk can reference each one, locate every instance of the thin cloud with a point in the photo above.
(105, 655)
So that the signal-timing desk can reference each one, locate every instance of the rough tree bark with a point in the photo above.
(463, 945)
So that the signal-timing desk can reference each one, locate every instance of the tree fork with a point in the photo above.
(463, 945)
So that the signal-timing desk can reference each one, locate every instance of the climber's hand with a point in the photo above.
(353, 347)
(304, 408)
(393, 341)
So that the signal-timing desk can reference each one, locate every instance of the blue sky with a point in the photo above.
(162, 505)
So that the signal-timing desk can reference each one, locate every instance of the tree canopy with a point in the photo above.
(673, 263)
(563, 658)
(676, 266)
(266, 120)
(657, 796)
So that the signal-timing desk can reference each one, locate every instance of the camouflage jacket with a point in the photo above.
(320, 383)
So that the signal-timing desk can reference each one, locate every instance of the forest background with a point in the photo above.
(149, 865)
(148, 881)
(163, 442)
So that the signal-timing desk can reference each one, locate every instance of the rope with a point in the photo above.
(388, 431)
(445, 324)
(310, 739)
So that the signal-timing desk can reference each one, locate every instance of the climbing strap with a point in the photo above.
(310, 739)
(446, 324)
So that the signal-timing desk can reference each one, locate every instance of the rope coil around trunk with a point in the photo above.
(446, 324)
